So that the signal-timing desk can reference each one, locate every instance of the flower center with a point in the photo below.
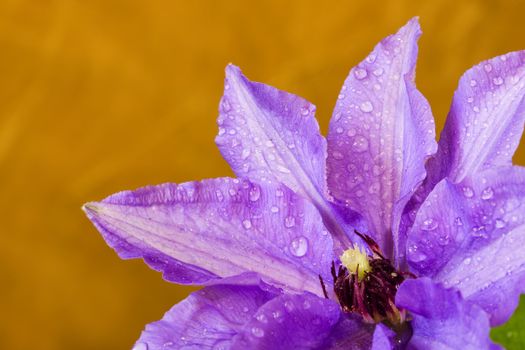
(367, 285)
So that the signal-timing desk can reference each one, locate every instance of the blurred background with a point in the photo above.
(98, 96)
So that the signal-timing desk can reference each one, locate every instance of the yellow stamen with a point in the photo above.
(356, 261)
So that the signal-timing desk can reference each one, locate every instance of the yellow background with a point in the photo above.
(98, 96)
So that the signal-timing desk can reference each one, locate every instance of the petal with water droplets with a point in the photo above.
(218, 228)
(485, 122)
(468, 236)
(380, 134)
(207, 319)
(272, 136)
(302, 322)
(441, 319)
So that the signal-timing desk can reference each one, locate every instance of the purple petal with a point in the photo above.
(272, 136)
(485, 122)
(383, 338)
(441, 319)
(380, 134)
(219, 228)
(469, 235)
(207, 319)
(302, 322)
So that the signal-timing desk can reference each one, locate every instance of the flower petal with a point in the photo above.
(469, 235)
(380, 134)
(441, 319)
(207, 319)
(302, 322)
(221, 228)
(485, 122)
(272, 136)
(383, 338)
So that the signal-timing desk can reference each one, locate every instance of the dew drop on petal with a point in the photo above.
(360, 144)
(299, 246)
(262, 318)
(473, 83)
(288, 305)
(305, 111)
(500, 223)
(497, 81)
(487, 193)
(467, 261)
(337, 155)
(487, 67)
(257, 332)
(429, 225)
(378, 72)
(468, 192)
(360, 73)
(366, 107)
(141, 346)
(274, 209)
(289, 221)
(255, 194)
(278, 316)
(247, 224)
(245, 153)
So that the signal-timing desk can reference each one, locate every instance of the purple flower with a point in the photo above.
(374, 238)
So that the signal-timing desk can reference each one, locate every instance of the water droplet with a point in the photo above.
(305, 111)
(417, 256)
(232, 131)
(497, 81)
(360, 144)
(467, 261)
(232, 191)
(245, 153)
(487, 193)
(487, 67)
(245, 309)
(283, 169)
(341, 96)
(429, 224)
(226, 104)
(269, 143)
(473, 83)
(247, 224)
(378, 72)
(360, 73)
(500, 223)
(458, 221)
(255, 194)
(366, 107)
(339, 130)
(299, 246)
(257, 332)
(278, 316)
(306, 305)
(219, 195)
(351, 132)
(468, 192)
(141, 346)
(289, 221)
(371, 58)
(288, 305)
(337, 155)
(262, 318)
(274, 209)
(374, 188)
(222, 131)
(475, 109)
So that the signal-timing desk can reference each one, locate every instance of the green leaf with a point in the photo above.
(512, 334)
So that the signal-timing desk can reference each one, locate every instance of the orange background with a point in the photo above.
(97, 96)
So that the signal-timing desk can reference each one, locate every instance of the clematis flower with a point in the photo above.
(376, 237)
